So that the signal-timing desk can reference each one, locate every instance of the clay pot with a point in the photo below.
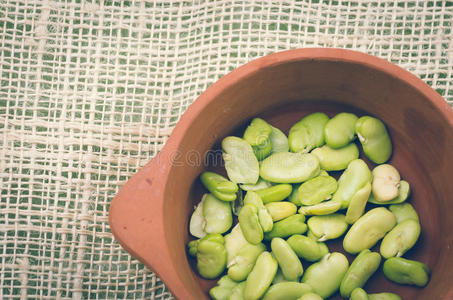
(149, 216)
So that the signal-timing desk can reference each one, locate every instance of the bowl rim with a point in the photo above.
(128, 213)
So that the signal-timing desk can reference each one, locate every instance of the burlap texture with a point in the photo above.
(90, 91)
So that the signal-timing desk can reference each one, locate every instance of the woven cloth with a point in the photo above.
(90, 91)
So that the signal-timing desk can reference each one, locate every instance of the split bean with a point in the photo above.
(287, 291)
(357, 204)
(400, 239)
(241, 265)
(294, 197)
(217, 215)
(250, 224)
(264, 217)
(275, 193)
(340, 130)
(386, 180)
(327, 227)
(279, 141)
(361, 269)
(259, 185)
(287, 227)
(237, 293)
(308, 133)
(375, 140)
(257, 135)
(234, 241)
(323, 208)
(336, 159)
(287, 260)
(223, 289)
(219, 186)
(287, 167)
(197, 221)
(368, 230)
(241, 163)
(316, 190)
(405, 271)
(211, 256)
(261, 276)
(325, 276)
(306, 248)
(281, 210)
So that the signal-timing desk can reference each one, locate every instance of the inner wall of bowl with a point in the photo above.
(283, 94)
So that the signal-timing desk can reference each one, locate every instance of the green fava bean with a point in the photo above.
(358, 294)
(336, 159)
(197, 220)
(261, 276)
(294, 197)
(211, 256)
(241, 265)
(250, 225)
(192, 246)
(287, 167)
(375, 140)
(219, 186)
(403, 212)
(264, 217)
(281, 210)
(287, 227)
(279, 141)
(306, 248)
(404, 191)
(357, 204)
(400, 239)
(275, 193)
(368, 230)
(384, 296)
(361, 269)
(310, 296)
(386, 180)
(287, 291)
(223, 289)
(340, 130)
(257, 135)
(217, 214)
(327, 227)
(325, 276)
(237, 293)
(323, 208)
(405, 271)
(317, 189)
(287, 260)
(234, 242)
(240, 162)
(354, 178)
(308, 133)
(261, 184)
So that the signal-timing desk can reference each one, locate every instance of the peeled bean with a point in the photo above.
(237, 293)
(327, 227)
(275, 193)
(219, 186)
(234, 241)
(386, 181)
(400, 239)
(287, 260)
(357, 204)
(375, 139)
(261, 184)
(317, 189)
(340, 130)
(384, 296)
(287, 227)
(281, 210)
(240, 160)
(264, 217)
(325, 276)
(279, 277)
(250, 224)
(403, 212)
(368, 230)
(307, 248)
(217, 214)
(257, 135)
(287, 291)
(310, 296)
(323, 208)
(223, 289)
(405, 271)
(287, 167)
(358, 294)
(361, 269)
(261, 276)
(197, 221)
(336, 159)
(279, 141)
(294, 197)
(308, 133)
(211, 256)
(354, 178)
(241, 265)
(404, 191)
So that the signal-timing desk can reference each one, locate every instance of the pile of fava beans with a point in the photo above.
(287, 205)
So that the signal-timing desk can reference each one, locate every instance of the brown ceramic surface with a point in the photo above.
(149, 216)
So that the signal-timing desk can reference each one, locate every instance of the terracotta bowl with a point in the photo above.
(149, 216)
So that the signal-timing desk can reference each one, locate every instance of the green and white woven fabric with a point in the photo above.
(90, 91)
